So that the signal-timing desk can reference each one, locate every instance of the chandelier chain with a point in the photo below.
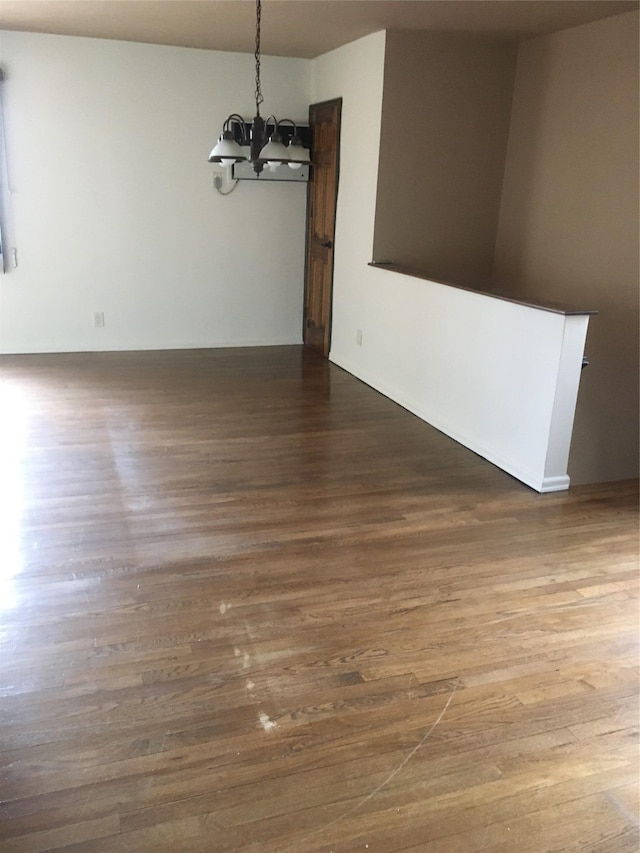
(259, 98)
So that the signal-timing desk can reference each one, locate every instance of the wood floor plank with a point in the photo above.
(252, 605)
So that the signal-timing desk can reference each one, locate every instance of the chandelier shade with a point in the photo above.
(226, 151)
(298, 154)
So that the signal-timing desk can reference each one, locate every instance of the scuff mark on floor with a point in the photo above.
(266, 723)
(395, 772)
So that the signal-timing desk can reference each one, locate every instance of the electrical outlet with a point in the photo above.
(98, 319)
(359, 337)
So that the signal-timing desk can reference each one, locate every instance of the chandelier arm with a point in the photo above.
(290, 121)
(266, 127)
(241, 122)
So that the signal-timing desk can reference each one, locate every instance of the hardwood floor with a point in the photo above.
(250, 604)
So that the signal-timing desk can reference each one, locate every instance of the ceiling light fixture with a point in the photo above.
(259, 148)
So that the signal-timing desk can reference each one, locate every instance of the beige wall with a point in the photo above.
(568, 227)
(445, 124)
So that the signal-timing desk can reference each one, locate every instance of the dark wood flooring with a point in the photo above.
(251, 605)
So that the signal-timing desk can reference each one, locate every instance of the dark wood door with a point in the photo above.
(324, 120)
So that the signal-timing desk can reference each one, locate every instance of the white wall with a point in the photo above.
(498, 377)
(354, 73)
(113, 207)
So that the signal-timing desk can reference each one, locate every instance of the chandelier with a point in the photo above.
(261, 147)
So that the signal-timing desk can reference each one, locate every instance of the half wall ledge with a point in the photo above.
(532, 302)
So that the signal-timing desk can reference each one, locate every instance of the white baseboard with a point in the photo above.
(45, 349)
(555, 484)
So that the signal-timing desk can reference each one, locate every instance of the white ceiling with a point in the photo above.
(303, 28)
